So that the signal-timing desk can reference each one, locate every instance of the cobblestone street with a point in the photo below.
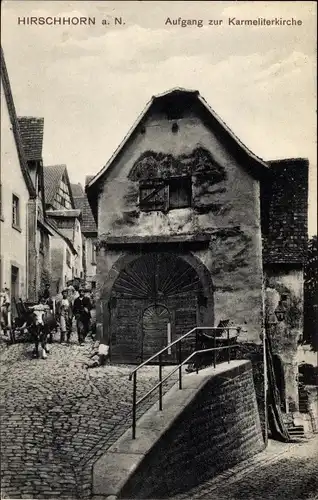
(58, 417)
(283, 471)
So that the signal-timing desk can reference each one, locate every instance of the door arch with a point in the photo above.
(152, 288)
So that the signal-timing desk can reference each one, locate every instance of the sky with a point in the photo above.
(90, 83)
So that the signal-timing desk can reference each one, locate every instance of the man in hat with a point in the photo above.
(82, 312)
(64, 314)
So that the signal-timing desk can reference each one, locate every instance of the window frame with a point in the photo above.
(160, 184)
(68, 258)
(166, 185)
(94, 254)
(41, 246)
(16, 218)
(185, 180)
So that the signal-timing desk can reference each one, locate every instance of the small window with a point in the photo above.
(93, 285)
(180, 192)
(39, 184)
(15, 211)
(153, 196)
(41, 242)
(68, 257)
(94, 253)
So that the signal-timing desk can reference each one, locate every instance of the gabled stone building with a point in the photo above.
(194, 228)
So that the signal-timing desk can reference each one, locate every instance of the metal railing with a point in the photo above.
(133, 373)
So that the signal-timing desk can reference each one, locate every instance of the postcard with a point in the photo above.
(158, 252)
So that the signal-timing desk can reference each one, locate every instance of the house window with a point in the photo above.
(180, 192)
(93, 283)
(94, 253)
(68, 258)
(41, 242)
(153, 196)
(166, 195)
(15, 211)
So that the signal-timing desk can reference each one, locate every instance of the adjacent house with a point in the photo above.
(194, 228)
(25, 245)
(39, 258)
(89, 232)
(66, 243)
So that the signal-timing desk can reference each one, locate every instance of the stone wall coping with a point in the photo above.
(113, 469)
(133, 240)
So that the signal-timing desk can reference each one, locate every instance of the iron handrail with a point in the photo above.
(179, 340)
(181, 364)
(133, 374)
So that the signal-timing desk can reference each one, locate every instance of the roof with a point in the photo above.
(88, 224)
(301, 162)
(31, 130)
(15, 126)
(77, 190)
(172, 94)
(88, 179)
(64, 213)
(52, 178)
(284, 211)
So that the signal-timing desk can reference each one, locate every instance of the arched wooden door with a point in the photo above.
(154, 291)
(156, 330)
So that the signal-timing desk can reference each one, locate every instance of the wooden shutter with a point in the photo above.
(153, 197)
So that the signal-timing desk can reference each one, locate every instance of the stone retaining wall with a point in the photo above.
(218, 428)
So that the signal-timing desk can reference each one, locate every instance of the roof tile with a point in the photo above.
(31, 131)
(88, 224)
(52, 178)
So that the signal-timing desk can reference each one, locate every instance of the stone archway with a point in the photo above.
(147, 280)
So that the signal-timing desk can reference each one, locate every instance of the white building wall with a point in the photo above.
(13, 247)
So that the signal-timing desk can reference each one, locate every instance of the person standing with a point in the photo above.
(64, 314)
(82, 312)
(47, 296)
(5, 308)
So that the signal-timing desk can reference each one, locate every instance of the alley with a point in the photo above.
(58, 418)
(282, 472)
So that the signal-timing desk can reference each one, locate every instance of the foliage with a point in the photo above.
(311, 269)
(311, 294)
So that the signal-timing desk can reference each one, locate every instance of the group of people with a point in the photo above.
(73, 303)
